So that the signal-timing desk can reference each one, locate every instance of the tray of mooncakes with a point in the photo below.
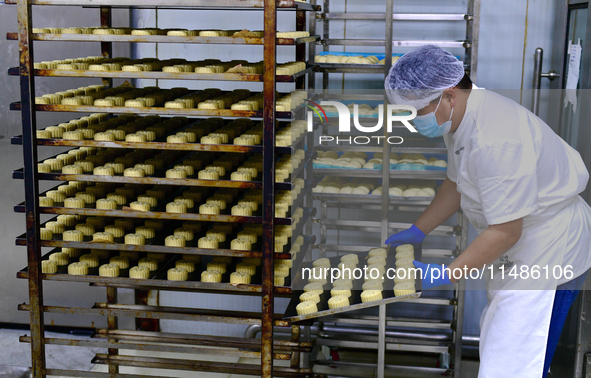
(328, 286)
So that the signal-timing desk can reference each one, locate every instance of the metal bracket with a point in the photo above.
(551, 75)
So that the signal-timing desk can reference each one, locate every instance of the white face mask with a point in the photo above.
(427, 124)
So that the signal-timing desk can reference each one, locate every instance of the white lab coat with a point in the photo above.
(508, 164)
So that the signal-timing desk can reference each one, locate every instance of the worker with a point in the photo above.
(518, 183)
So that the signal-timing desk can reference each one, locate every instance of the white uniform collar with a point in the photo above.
(471, 105)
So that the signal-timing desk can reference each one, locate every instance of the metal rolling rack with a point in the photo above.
(470, 43)
(267, 349)
(383, 340)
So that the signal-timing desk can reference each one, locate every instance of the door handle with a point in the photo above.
(537, 81)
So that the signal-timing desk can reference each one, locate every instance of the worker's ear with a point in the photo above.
(450, 95)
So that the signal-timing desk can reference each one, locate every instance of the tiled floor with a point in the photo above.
(14, 353)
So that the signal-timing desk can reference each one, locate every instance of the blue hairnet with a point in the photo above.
(421, 75)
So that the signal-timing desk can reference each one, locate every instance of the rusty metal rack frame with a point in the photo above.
(267, 349)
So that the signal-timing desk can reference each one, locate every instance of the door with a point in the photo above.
(573, 25)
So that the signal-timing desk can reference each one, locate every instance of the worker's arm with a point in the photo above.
(488, 246)
(445, 204)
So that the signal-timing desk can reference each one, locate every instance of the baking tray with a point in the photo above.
(13, 36)
(190, 4)
(355, 299)
(158, 280)
(161, 144)
(371, 198)
(14, 71)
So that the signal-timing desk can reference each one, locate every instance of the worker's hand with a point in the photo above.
(411, 236)
(432, 275)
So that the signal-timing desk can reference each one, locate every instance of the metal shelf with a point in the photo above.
(188, 339)
(165, 285)
(88, 244)
(151, 215)
(390, 321)
(350, 97)
(356, 248)
(395, 43)
(192, 112)
(22, 240)
(377, 173)
(442, 230)
(396, 16)
(391, 345)
(369, 198)
(193, 4)
(130, 213)
(158, 281)
(19, 174)
(145, 341)
(351, 68)
(14, 71)
(127, 38)
(161, 312)
(18, 140)
(393, 150)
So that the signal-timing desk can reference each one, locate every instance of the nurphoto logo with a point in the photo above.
(394, 113)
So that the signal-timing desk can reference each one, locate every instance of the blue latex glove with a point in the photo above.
(411, 236)
(432, 275)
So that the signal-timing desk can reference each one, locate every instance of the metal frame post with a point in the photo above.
(269, 86)
(381, 341)
(29, 122)
(460, 294)
(295, 337)
(473, 35)
(107, 47)
(112, 324)
(312, 46)
(386, 157)
(389, 25)
(300, 49)
(325, 36)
